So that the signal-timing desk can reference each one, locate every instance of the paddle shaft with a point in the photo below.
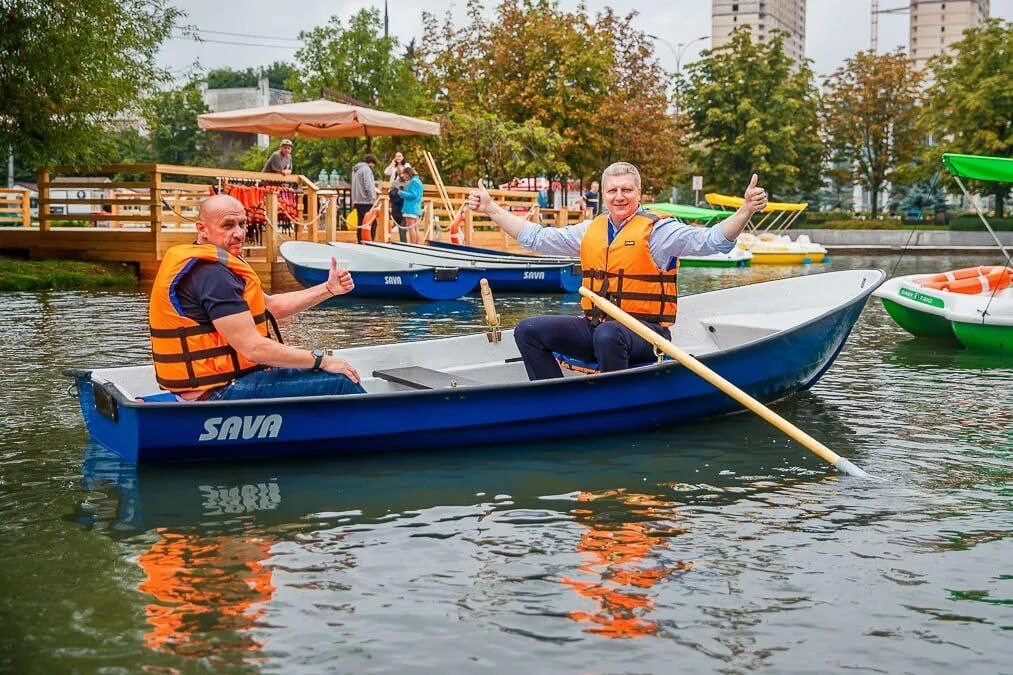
(438, 181)
(747, 401)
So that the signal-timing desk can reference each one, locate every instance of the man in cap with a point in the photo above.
(280, 160)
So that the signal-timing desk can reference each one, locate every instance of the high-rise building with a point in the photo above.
(763, 17)
(937, 24)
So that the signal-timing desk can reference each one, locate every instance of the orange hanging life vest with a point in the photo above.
(191, 356)
(625, 273)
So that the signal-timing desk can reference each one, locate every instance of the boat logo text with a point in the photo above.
(534, 275)
(245, 427)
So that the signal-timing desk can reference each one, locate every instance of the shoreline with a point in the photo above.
(18, 275)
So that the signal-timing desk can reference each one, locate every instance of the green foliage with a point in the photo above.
(70, 66)
(971, 223)
(925, 195)
(175, 136)
(970, 100)
(355, 59)
(591, 81)
(37, 275)
(481, 143)
(226, 78)
(870, 114)
(753, 111)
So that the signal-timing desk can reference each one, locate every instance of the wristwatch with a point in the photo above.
(318, 358)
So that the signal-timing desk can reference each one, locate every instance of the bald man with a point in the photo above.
(209, 320)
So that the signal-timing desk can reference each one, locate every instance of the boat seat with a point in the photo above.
(418, 377)
(729, 330)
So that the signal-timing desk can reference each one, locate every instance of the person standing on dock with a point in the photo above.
(280, 160)
(364, 190)
(629, 256)
(209, 320)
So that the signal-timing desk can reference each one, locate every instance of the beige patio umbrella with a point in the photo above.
(317, 119)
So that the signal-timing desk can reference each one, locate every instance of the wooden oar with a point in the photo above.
(807, 441)
(491, 317)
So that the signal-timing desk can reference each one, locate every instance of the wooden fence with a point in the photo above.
(15, 207)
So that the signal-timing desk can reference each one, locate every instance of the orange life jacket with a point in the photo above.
(625, 273)
(188, 355)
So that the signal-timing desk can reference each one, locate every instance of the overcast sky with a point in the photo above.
(835, 29)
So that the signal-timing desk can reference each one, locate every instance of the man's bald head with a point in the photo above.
(216, 207)
(221, 221)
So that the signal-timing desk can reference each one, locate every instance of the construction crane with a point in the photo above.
(876, 11)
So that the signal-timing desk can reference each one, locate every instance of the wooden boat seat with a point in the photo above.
(418, 377)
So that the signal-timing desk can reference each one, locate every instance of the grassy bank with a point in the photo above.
(63, 275)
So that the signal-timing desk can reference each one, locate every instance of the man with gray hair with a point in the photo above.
(628, 255)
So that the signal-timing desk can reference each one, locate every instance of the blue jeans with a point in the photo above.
(286, 382)
(611, 344)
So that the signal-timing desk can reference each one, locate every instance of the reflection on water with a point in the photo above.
(619, 558)
(207, 593)
(719, 545)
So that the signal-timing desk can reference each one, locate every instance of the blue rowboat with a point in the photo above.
(771, 339)
(460, 248)
(505, 273)
(377, 276)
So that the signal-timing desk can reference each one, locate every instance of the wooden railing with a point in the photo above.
(15, 207)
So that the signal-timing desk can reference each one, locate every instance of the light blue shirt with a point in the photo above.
(670, 239)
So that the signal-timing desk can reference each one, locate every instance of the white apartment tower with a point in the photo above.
(937, 24)
(763, 17)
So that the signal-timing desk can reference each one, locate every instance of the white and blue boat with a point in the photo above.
(378, 275)
(504, 272)
(771, 339)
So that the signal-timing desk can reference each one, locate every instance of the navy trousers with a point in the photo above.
(611, 344)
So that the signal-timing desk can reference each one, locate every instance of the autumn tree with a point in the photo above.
(870, 116)
(69, 67)
(753, 110)
(592, 81)
(969, 106)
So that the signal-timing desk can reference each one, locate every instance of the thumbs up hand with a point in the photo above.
(479, 200)
(755, 197)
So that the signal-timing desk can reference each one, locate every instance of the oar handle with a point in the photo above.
(724, 385)
(491, 317)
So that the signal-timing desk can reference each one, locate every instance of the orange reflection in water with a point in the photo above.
(616, 556)
(209, 591)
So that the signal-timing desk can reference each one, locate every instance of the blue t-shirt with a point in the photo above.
(592, 199)
(210, 291)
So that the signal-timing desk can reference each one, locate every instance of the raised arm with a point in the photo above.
(339, 282)
(755, 200)
(558, 240)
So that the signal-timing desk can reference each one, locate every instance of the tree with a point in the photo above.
(969, 105)
(870, 115)
(225, 78)
(591, 81)
(752, 110)
(355, 59)
(68, 67)
(175, 136)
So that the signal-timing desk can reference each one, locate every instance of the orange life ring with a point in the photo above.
(456, 234)
(970, 280)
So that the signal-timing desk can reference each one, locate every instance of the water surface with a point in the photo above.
(715, 546)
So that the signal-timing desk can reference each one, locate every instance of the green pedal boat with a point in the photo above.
(927, 307)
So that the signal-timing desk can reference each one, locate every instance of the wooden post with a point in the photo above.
(469, 228)
(385, 217)
(561, 215)
(332, 217)
(155, 208)
(312, 210)
(26, 209)
(44, 195)
(271, 208)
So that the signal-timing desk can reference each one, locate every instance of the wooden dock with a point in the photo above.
(147, 208)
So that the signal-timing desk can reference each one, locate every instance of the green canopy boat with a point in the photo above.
(694, 214)
(973, 306)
